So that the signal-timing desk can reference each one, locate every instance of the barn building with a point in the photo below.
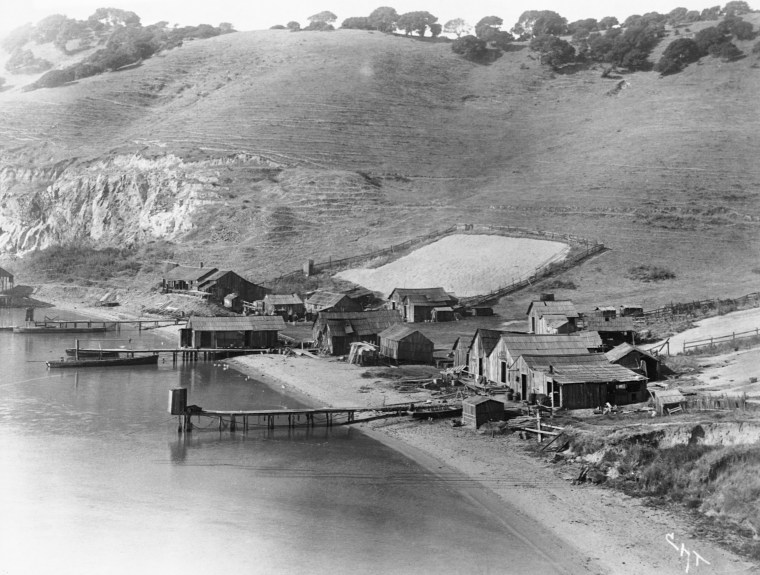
(479, 409)
(227, 288)
(6, 280)
(579, 381)
(552, 316)
(288, 306)
(500, 364)
(329, 301)
(405, 345)
(240, 332)
(481, 347)
(334, 331)
(635, 359)
(185, 278)
(416, 304)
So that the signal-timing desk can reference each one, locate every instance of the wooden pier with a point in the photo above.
(269, 419)
(104, 324)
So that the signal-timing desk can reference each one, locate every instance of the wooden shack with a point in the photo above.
(479, 409)
(227, 288)
(483, 343)
(185, 278)
(552, 317)
(404, 344)
(6, 280)
(416, 304)
(612, 330)
(635, 359)
(440, 314)
(288, 306)
(334, 331)
(241, 332)
(668, 401)
(329, 301)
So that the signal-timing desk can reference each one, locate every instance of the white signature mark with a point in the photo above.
(670, 538)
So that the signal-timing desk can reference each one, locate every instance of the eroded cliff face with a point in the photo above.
(120, 201)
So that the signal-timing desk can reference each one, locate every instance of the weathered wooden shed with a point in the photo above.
(581, 381)
(612, 330)
(460, 352)
(635, 359)
(667, 401)
(417, 304)
(334, 331)
(483, 343)
(288, 306)
(440, 314)
(479, 409)
(552, 316)
(185, 278)
(227, 288)
(6, 280)
(252, 332)
(329, 301)
(405, 344)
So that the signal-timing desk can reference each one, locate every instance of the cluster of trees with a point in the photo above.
(123, 39)
(487, 43)
(386, 19)
(714, 41)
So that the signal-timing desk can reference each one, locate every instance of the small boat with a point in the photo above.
(436, 411)
(56, 329)
(88, 353)
(106, 362)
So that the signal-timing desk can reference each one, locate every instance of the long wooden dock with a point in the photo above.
(106, 324)
(295, 417)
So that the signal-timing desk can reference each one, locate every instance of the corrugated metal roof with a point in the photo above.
(398, 332)
(543, 344)
(619, 352)
(238, 323)
(558, 307)
(325, 299)
(602, 324)
(187, 273)
(362, 323)
(283, 299)
(588, 368)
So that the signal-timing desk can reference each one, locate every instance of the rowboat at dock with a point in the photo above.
(105, 362)
(86, 353)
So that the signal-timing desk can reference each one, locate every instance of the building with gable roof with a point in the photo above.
(334, 331)
(552, 316)
(405, 344)
(417, 304)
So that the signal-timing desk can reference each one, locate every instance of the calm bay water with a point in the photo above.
(94, 478)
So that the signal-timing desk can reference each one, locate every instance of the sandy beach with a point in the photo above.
(613, 532)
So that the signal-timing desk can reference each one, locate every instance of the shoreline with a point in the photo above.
(612, 532)
(603, 529)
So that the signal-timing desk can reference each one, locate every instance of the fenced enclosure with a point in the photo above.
(719, 340)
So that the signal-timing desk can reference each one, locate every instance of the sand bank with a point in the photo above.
(612, 532)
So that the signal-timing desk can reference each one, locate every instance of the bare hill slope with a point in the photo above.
(258, 150)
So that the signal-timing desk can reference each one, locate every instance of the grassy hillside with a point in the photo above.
(371, 139)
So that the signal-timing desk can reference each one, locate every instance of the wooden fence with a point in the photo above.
(688, 309)
(551, 266)
(702, 402)
(711, 341)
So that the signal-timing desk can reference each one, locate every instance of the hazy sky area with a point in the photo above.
(258, 15)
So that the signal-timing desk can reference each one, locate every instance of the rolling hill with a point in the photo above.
(259, 150)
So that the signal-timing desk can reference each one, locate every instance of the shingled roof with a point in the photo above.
(543, 344)
(436, 296)
(619, 352)
(237, 323)
(325, 299)
(362, 323)
(188, 273)
(586, 368)
(558, 307)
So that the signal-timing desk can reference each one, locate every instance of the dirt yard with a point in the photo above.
(465, 265)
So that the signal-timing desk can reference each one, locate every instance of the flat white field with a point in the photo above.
(463, 264)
